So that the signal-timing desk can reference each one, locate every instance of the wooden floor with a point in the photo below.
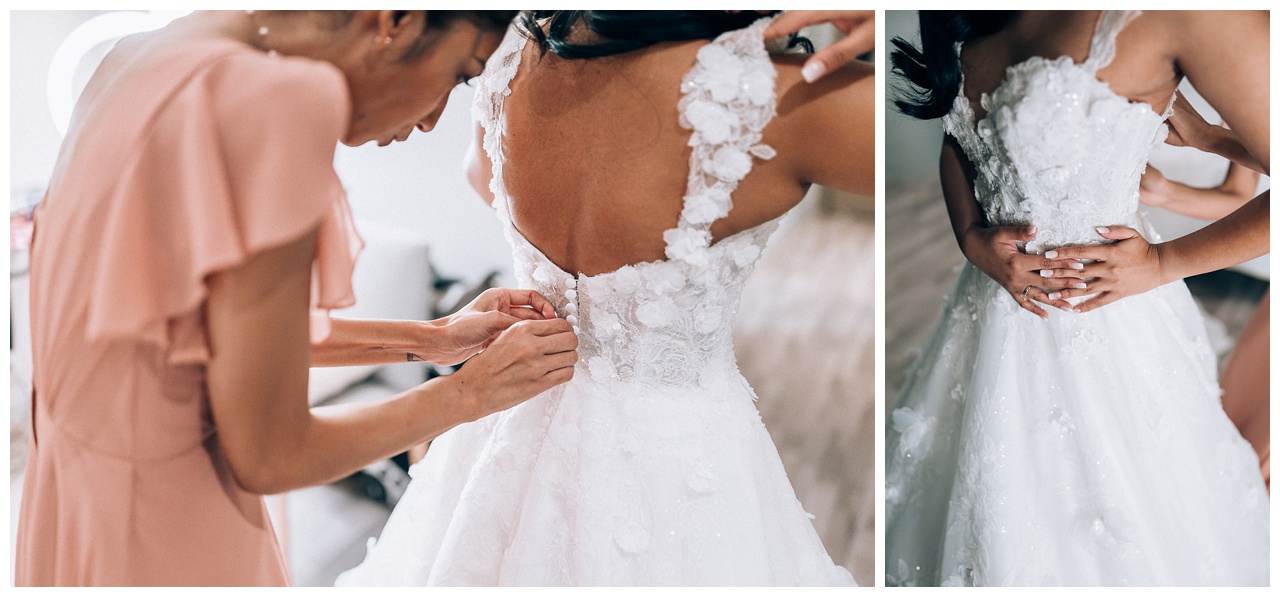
(805, 340)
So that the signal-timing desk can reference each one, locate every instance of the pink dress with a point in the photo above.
(179, 164)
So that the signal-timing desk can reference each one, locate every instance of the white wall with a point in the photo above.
(34, 36)
(911, 146)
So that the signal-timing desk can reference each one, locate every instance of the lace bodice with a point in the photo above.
(1058, 148)
(668, 321)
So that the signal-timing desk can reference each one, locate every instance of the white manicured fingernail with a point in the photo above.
(812, 71)
(1075, 310)
(1053, 296)
(1051, 254)
(1046, 273)
(1102, 229)
(1079, 285)
(1034, 230)
(1077, 265)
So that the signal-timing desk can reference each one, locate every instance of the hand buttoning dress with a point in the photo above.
(1089, 449)
(650, 467)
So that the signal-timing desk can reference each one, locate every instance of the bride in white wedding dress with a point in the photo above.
(616, 180)
(1086, 447)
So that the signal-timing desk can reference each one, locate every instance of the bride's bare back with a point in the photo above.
(597, 163)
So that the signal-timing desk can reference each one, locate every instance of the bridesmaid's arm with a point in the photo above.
(259, 337)
(377, 342)
(1187, 128)
(1225, 54)
(445, 341)
(1206, 204)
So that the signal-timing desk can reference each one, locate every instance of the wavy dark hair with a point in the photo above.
(484, 20)
(621, 31)
(932, 72)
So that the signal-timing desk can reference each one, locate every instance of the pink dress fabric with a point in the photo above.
(178, 164)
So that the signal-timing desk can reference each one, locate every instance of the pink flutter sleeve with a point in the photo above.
(238, 162)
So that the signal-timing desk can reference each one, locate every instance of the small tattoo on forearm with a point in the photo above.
(413, 358)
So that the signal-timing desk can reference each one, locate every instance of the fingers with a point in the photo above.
(557, 377)
(524, 297)
(1103, 299)
(547, 327)
(1066, 278)
(1067, 293)
(1023, 298)
(858, 42)
(858, 26)
(527, 313)
(1014, 233)
(561, 360)
(1041, 262)
(1090, 252)
(1116, 232)
(499, 321)
(1035, 293)
(554, 335)
(794, 20)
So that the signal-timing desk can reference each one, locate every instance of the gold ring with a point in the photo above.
(1025, 291)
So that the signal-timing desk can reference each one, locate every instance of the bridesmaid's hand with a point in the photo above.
(1129, 266)
(1187, 128)
(525, 360)
(1154, 189)
(474, 327)
(859, 27)
(994, 250)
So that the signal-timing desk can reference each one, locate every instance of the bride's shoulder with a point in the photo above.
(843, 79)
(837, 96)
(827, 127)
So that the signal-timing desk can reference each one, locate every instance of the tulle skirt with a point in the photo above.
(1089, 449)
(604, 484)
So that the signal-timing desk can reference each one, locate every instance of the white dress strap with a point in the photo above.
(492, 90)
(728, 99)
(1102, 48)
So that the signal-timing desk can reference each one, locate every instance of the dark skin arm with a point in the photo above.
(833, 129)
(994, 249)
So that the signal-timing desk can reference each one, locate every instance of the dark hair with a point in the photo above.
(620, 31)
(484, 20)
(933, 71)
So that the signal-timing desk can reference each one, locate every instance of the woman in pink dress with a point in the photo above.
(192, 224)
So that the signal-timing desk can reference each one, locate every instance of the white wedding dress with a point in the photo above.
(650, 467)
(1089, 449)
